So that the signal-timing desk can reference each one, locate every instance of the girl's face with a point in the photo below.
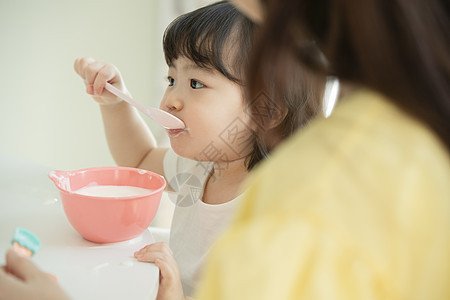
(212, 108)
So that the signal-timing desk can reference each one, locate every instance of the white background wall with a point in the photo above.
(45, 115)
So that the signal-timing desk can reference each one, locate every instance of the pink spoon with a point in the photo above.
(161, 117)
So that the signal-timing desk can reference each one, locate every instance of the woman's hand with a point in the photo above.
(170, 287)
(95, 75)
(21, 279)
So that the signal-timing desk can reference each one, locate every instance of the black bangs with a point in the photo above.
(217, 37)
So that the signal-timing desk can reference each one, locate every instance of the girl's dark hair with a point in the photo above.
(220, 37)
(216, 36)
(397, 47)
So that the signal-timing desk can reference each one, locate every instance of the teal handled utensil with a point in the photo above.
(24, 242)
(161, 117)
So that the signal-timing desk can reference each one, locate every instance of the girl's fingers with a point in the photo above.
(95, 75)
(106, 73)
(154, 251)
(91, 71)
(76, 64)
(156, 247)
(148, 256)
(81, 64)
(166, 268)
(170, 286)
(169, 283)
(90, 89)
(151, 255)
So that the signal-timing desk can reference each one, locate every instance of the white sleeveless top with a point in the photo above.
(195, 224)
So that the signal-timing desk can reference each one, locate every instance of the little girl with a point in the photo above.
(206, 52)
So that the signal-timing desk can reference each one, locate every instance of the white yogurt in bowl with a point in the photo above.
(112, 191)
(109, 204)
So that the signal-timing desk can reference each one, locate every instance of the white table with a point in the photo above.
(85, 270)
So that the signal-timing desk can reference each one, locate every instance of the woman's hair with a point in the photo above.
(397, 47)
(220, 37)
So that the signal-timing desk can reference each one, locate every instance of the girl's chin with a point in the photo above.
(182, 151)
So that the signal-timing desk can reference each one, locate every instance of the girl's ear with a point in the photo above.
(266, 113)
(278, 117)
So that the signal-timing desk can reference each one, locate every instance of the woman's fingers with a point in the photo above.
(11, 288)
(21, 279)
(21, 267)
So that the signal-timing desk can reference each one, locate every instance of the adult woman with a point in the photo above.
(356, 206)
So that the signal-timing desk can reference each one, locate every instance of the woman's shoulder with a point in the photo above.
(367, 144)
(365, 125)
(368, 120)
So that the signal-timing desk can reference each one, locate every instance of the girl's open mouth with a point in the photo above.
(175, 132)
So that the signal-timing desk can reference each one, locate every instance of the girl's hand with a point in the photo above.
(169, 279)
(21, 279)
(95, 75)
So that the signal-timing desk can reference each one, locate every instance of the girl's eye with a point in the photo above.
(171, 81)
(196, 85)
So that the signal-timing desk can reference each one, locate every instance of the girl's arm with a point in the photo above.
(129, 139)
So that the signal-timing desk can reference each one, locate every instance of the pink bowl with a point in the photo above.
(109, 219)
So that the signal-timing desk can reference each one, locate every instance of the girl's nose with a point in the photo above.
(172, 102)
